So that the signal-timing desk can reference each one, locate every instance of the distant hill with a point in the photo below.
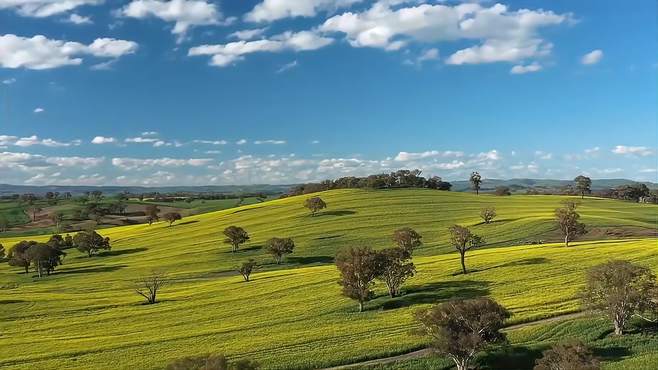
(518, 184)
(6, 189)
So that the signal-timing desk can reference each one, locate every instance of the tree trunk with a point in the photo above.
(463, 255)
(461, 364)
(619, 325)
(566, 240)
(360, 306)
(39, 269)
(27, 269)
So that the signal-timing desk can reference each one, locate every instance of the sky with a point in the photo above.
(213, 92)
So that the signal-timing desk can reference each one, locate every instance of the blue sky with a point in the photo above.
(155, 92)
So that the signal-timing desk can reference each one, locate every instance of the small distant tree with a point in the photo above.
(502, 191)
(620, 290)
(57, 218)
(18, 255)
(247, 268)
(463, 240)
(460, 329)
(34, 210)
(358, 269)
(44, 258)
(172, 217)
(90, 242)
(476, 181)
(567, 218)
(235, 236)
(279, 248)
(583, 185)
(149, 286)
(2, 252)
(407, 239)
(152, 213)
(394, 268)
(573, 355)
(488, 214)
(4, 224)
(57, 241)
(315, 205)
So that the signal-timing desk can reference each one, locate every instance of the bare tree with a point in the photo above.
(476, 181)
(407, 239)
(4, 223)
(572, 355)
(620, 290)
(567, 218)
(34, 210)
(279, 248)
(460, 329)
(358, 269)
(149, 286)
(152, 212)
(488, 214)
(247, 268)
(57, 218)
(315, 204)
(235, 236)
(463, 240)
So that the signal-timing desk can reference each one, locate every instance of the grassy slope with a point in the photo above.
(86, 316)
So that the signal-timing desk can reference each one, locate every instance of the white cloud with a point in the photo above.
(430, 54)
(248, 34)
(103, 140)
(45, 8)
(642, 151)
(271, 10)
(287, 66)
(592, 57)
(79, 19)
(150, 133)
(141, 140)
(406, 156)
(543, 155)
(39, 110)
(274, 142)
(185, 14)
(223, 55)
(505, 36)
(9, 81)
(520, 69)
(211, 142)
(138, 163)
(39, 52)
(241, 142)
(35, 140)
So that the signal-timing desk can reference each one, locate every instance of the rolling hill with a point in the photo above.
(87, 315)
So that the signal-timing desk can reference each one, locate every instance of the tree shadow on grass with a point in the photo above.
(121, 252)
(334, 213)
(433, 293)
(329, 237)
(10, 301)
(250, 248)
(509, 357)
(310, 260)
(524, 262)
(185, 223)
(90, 269)
(612, 353)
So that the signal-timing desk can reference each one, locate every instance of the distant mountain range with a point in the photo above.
(487, 185)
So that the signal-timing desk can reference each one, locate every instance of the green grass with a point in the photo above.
(87, 316)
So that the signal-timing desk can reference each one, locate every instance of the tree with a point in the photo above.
(620, 290)
(90, 242)
(502, 191)
(148, 286)
(488, 214)
(44, 258)
(247, 268)
(57, 218)
(573, 355)
(56, 241)
(235, 236)
(279, 248)
(407, 239)
(460, 329)
(315, 204)
(4, 224)
(476, 181)
(18, 255)
(463, 240)
(152, 212)
(358, 269)
(567, 219)
(583, 185)
(172, 217)
(211, 362)
(394, 268)
(34, 210)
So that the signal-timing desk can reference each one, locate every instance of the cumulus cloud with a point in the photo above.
(249, 34)
(504, 35)
(39, 110)
(185, 14)
(39, 52)
(641, 151)
(271, 10)
(223, 55)
(79, 19)
(45, 8)
(407, 156)
(103, 140)
(520, 69)
(139, 163)
(35, 140)
(593, 57)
